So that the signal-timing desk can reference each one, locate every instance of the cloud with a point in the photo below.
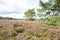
(14, 15)
(16, 8)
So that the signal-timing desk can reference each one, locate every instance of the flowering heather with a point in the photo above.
(27, 30)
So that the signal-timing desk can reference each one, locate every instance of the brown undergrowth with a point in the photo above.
(27, 30)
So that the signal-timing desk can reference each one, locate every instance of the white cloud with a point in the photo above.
(21, 4)
(14, 15)
(17, 6)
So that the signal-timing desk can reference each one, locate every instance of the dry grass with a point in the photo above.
(27, 30)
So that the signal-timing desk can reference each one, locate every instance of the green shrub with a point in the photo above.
(53, 20)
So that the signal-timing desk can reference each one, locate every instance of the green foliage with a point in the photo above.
(45, 6)
(48, 7)
(29, 14)
(53, 20)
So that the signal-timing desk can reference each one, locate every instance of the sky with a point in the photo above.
(16, 8)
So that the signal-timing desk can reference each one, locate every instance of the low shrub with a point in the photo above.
(7, 34)
(1, 26)
(53, 20)
(19, 29)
